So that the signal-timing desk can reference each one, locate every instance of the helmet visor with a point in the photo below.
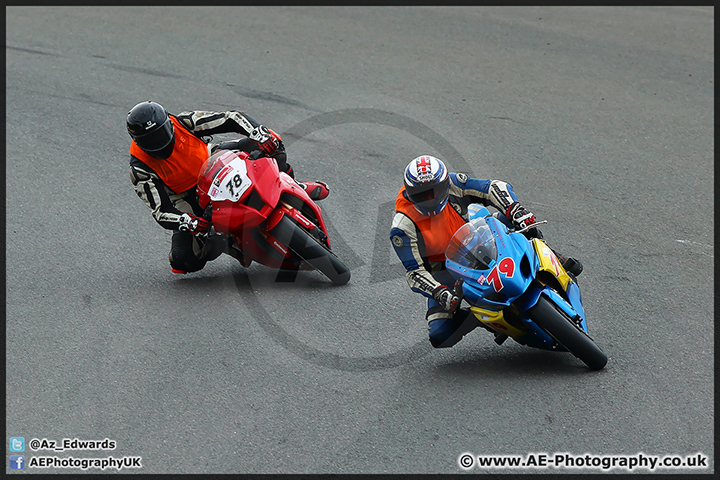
(429, 197)
(157, 139)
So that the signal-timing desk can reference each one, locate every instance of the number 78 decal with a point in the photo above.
(506, 267)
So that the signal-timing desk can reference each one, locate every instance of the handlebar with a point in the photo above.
(541, 222)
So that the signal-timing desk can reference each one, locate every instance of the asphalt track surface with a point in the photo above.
(601, 118)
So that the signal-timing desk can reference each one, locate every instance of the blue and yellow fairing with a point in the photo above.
(501, 300)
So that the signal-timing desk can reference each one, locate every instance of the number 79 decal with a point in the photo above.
(506, 267)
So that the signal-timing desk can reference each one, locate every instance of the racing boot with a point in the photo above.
(570, 264)
(316, 190)
(446, 332)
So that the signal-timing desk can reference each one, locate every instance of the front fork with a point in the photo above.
(296, 216)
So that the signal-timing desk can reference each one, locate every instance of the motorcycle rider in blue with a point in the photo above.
(423, 226)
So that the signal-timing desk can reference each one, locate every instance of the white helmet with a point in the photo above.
(427, 183)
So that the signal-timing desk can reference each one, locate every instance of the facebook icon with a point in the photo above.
(17, 462)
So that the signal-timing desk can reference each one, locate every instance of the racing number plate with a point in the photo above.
(231, 182)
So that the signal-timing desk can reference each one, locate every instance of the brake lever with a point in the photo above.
(525, 229)
(458, 292)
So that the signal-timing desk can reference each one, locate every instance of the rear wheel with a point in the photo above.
(559, 326)
(309, 249)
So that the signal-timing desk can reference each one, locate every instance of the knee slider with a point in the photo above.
(441, 332)
(182, 259)
(445, 330)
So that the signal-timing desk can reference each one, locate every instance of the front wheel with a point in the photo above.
(307, 248)
(559, 326)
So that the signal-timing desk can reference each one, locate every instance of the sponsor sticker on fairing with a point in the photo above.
(222, 174)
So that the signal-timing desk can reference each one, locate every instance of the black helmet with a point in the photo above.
(150, 126)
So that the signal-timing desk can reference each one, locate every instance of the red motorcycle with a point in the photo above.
(266, 215)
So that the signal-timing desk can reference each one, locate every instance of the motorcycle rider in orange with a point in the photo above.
(166, 154)
(430, 207)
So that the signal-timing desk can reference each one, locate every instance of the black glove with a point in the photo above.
(519, 216)
(255, 154)
(193, 224)
(267, 140)
(446, 298)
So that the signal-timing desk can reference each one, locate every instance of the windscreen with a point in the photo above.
(473, 246)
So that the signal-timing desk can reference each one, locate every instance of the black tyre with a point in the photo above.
(559, 326)
(308, 248)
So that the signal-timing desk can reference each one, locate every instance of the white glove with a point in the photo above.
(520, 216)
(446, 298)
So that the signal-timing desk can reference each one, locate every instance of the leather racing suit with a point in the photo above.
(170, 192)
(420, 242)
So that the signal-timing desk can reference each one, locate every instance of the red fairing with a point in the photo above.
(245, 193)
(207, 174)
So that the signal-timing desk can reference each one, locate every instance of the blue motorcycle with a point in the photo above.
(516, 287)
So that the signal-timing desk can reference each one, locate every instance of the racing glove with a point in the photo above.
(446, 298)
(266, 140)
(193, 224)
(519, 216)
